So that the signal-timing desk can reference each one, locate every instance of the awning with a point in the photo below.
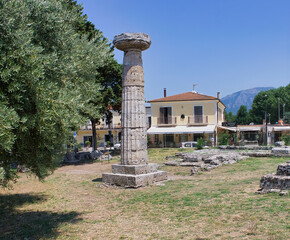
(234, 129)
(181, 130)
(249, 129)
(282, 128)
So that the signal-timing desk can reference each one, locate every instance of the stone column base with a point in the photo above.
(134, 181)
(134, 176)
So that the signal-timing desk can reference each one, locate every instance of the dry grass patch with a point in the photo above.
(73, 204)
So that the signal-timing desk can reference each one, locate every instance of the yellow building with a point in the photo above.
(185, 117)
(103, 130)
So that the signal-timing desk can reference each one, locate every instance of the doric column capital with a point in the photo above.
(130, 41)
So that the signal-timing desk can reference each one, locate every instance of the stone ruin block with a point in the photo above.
(281, 150)
(280, 180)
(283, 169)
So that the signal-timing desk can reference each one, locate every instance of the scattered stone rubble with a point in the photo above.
(205, 160)
(77, 157)
(249, 147)
(279, 182)
(260, 151)
(281, 150)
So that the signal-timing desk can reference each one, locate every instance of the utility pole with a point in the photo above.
(266, 128)
(284, 112)
(266, 120)
(278, 109)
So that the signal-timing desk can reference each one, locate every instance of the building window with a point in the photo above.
(165, 115)
(198, 114)
(156, 139)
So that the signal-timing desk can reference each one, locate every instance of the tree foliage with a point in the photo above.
(242, 117)
(230, 117)
(47, 80)
(109, 77)
(267, 101)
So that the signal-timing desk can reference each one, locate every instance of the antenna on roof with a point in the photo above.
(194, 85)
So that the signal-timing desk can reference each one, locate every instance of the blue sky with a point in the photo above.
(221, 45)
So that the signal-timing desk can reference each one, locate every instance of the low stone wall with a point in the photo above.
(278, 182)
(249, 147)
(75, 158)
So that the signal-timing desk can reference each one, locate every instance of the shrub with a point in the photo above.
(200, 143)
(223, 138)
(286, 138)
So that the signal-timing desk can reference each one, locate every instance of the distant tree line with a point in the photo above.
(272, 104)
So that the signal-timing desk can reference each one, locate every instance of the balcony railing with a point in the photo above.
(101, 126)
(197, 120)
(166, 121)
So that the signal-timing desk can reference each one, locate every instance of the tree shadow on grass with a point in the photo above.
(21, 224)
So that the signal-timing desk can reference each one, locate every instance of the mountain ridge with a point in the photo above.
(243, 97)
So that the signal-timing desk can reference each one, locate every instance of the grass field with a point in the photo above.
(220, 204)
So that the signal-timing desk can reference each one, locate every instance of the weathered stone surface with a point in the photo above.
(134, 181)
(189, 164)
(272, 181)
(22, 168)
(249, 147)
(207, 159)
(192, 158)
(215, 162)
(126, 41)
(134, 132)
(179, 154)
(281, 150)
(95, 154)
(280, 181)
(70, 156)
(280, 143)
(194, 171)
(105, 157)
(134, 169)
(283, 193)
(283, 169)
(207, 167)
(173, 163)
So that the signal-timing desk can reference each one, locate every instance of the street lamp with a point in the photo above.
(266, 120)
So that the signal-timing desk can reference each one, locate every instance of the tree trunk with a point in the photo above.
(94, 138)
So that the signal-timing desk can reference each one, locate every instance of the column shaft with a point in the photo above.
(134, 132)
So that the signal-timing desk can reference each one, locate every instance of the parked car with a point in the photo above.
(188, 144)
(117, 146)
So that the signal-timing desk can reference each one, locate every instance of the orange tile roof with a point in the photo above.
(188, 96)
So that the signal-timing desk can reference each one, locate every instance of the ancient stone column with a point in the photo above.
(134, 170)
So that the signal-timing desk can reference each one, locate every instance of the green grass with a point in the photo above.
(219, 204)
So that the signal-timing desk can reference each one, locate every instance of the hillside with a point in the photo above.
(243, 97)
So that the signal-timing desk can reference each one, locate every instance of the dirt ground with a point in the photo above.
(73, 203)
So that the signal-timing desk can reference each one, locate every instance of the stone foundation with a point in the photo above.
(278, 181)
(134, 169)
(134, 181)
(281, 150)
(273, 181)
